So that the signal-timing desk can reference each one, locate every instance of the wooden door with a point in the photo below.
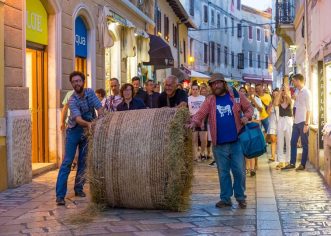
(38, 83)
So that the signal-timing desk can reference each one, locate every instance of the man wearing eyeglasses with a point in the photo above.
(226, 121)
(82, 105)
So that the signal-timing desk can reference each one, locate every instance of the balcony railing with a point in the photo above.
(285, 12)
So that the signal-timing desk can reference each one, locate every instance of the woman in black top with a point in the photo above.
(129, 102)
(285, 124)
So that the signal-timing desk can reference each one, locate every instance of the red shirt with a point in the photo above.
(209, 108)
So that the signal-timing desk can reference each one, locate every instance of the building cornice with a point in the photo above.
(181, 13)
(134, 9)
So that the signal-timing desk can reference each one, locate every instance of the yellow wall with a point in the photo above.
(3, 156)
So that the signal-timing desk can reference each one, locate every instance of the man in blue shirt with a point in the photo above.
(228, 114)
(82, 105)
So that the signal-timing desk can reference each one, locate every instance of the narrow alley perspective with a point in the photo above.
(165, 117)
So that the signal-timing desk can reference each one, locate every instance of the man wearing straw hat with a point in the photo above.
(227, 115)
(82, 105)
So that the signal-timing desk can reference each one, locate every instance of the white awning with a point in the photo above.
(195, 74)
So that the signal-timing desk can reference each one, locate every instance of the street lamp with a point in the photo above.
(191, 61)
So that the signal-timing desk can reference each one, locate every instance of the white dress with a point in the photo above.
(273, 120)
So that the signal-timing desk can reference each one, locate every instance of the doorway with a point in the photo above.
(81, 65)
(37, 81)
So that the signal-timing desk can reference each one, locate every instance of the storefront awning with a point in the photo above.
(159, 52)
(194, 74)
(258, 80)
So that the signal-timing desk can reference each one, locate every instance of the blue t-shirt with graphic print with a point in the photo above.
(226, 125)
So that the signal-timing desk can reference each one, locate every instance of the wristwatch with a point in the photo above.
(306, 124)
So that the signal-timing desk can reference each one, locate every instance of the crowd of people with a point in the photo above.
(217, 118)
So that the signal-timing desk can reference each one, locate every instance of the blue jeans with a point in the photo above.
(265, 124)
(296, 133)
(74, 137)
(230, 157)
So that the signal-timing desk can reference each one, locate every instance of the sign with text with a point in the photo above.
(80, 38)
(36, 22)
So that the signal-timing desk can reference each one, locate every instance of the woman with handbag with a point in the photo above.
(251, 163)
(273, 112)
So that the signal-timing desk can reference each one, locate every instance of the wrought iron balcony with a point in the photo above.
(285, 12)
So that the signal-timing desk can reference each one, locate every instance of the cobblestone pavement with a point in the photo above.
(279, 203)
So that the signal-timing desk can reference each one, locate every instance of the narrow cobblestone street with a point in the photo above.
(279, 203)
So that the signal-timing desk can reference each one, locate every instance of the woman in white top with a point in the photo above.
(273, 112)
(194, 103)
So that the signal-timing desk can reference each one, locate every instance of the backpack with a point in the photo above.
(251, 138)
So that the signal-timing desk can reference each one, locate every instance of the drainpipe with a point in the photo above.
(3, 155)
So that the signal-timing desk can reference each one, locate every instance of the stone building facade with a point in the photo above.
(215, 45)
(257, 48)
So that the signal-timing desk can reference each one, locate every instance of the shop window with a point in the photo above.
(192, 7)
(218, 20)
(184, 47)
(212, 52)
(159, 21)
(232, 59)
(205, 14)
(232, 26)
(266, 36)
(218, 54)
(250, 32)
(166, 28)
(258, 34)
(205, 53)
(240, 60)
(239, 30)
(175, 38)
(212, 17)
(250, 58)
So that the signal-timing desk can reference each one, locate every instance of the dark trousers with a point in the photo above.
(296, 133)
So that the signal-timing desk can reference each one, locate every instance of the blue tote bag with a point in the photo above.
(252, 141)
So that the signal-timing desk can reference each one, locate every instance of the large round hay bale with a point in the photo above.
(142, 159)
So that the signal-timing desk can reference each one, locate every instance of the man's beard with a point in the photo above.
(219, 91)
(79, 89)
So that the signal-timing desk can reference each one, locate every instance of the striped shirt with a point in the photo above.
(241, 105)
(84, 106)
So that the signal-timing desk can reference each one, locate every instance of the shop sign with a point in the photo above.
(321, 101)
(80, 38)
(36, 22)
(116, 17)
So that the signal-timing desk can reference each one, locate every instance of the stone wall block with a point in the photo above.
(17, 98)
(13, 37)
(19, 148)
(13, 57)
(14, 77)
(13, 17)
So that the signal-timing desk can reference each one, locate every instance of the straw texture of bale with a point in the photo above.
(142, 159)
